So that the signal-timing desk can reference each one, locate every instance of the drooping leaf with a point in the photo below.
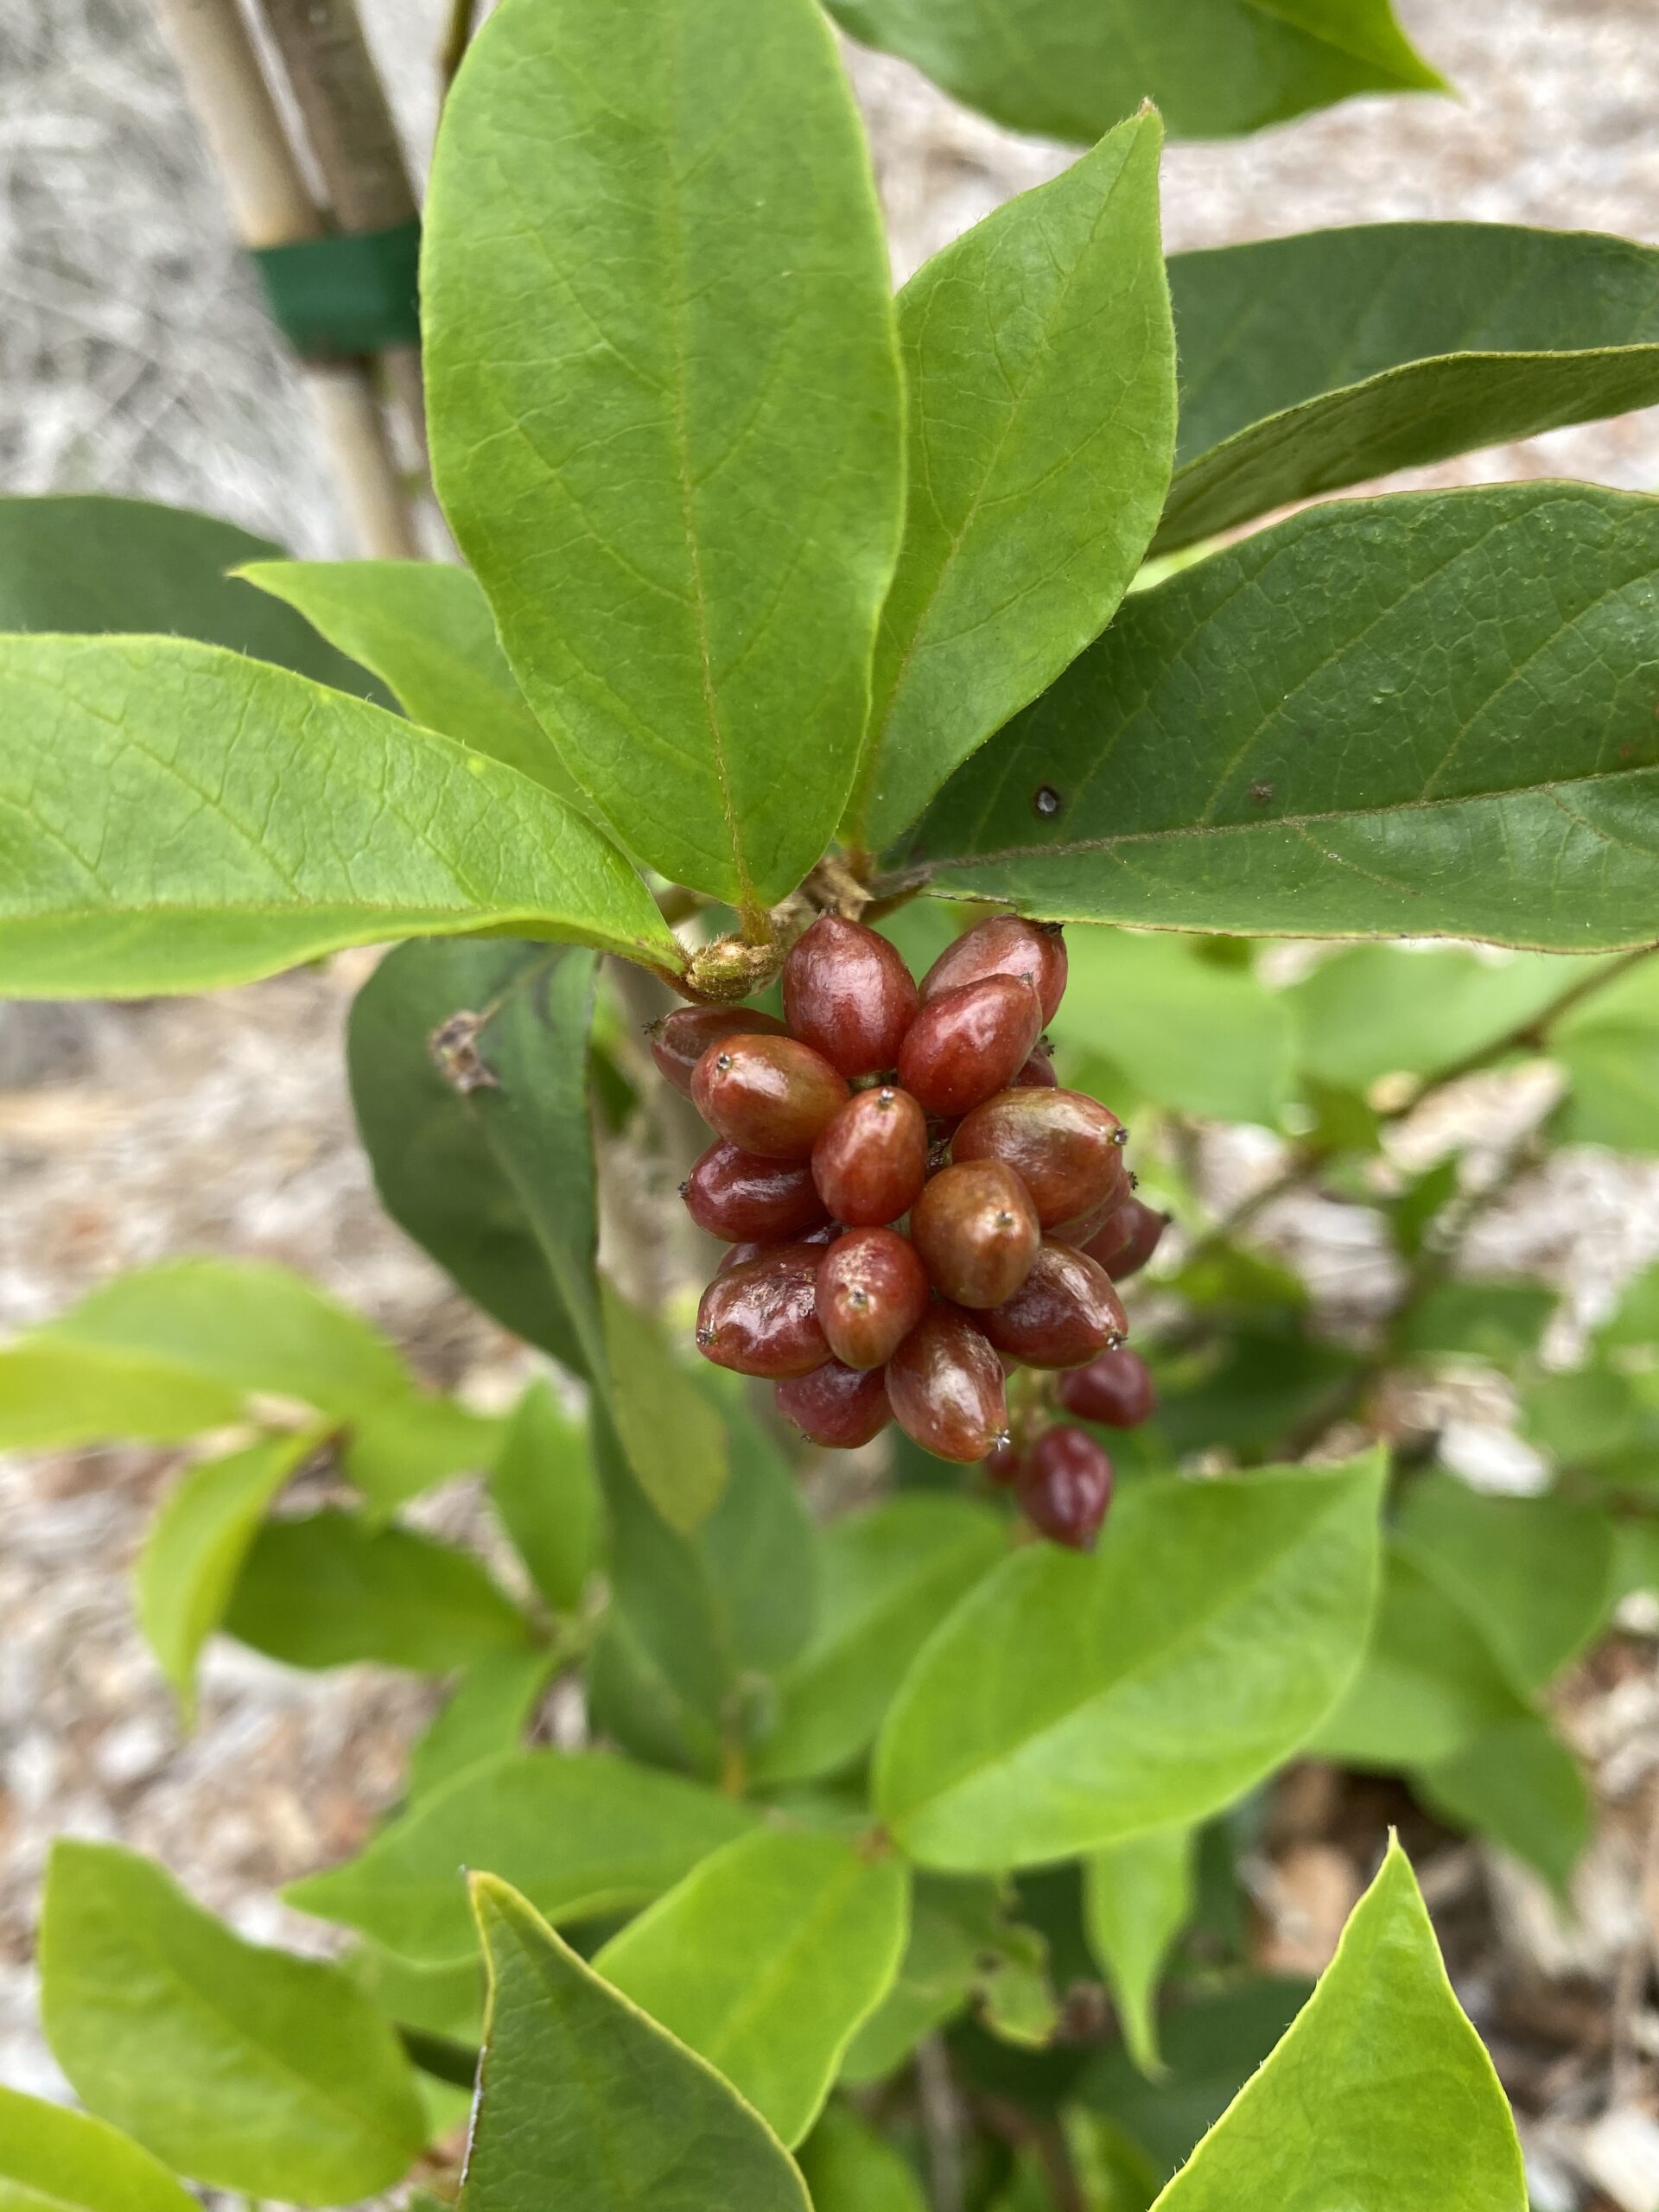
(683, 496)
(1426, 715)
(542, 1484)
(62, 1393)
(849, 2168)
(485, 1717)
(579, 1833)
(1522, 1788)
(1380, 2098)
(583, 2100)
(1138, 1897)
(1040, 370)
(1158, 1678)
(173, 818)
(242, 2067)
(764, 1959)
(55, 2160)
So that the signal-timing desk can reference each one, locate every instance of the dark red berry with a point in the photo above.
(762, 1318)
(1116, 1388)
(1065, 1486)
(1127, 1238)
(965, 1045)
(1063, 1313)
(1087, 1226)
(1066, 1148)
(847, 993)
(679, 1040)
(771, 1095)
(976, 1230)
(737, 1255)
(1038, 1073)
(872, 1291)
(945, 1385)
(841, 1406)
(871, 1162)
(1004, 1461)
(1007, 944)
(740, 1197)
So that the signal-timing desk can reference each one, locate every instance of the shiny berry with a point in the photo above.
(976, 1230)
(1115, 1389)
(771, 1095)
(945, 1385)
(965, 1045)
(1003, 1462)
(1065, 1486)
(871, 1162)
(679, 1040)
(1063, 1313)
(1066, 1148)
(762, 1318)
(847, 993)
(840, 1407)
(1007, 944)
(740, 1197)
(1081, 1231)
(1038, 1073)
(1127, 1239)
(872, 1291)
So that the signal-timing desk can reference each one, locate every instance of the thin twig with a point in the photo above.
(941, 2125)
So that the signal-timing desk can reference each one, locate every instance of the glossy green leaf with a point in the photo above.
(1380, 2098)
(764, 1959)
(244, 2068)
(408, 1444)
(485, 1716)
(331, 1590)
(1158, 1678)
(849, 2168)
(579, 1833)
(173, 818)
(62, 2161)
(1335, 357)
(1425, 716)
(55, 1394)
(1138, 1896)
(888, 1577)
(542, 1484)
(196, 1545)
(684, 495)
(584, 2101)
(1067, 68)
(1040, 363)
(1519, 1786)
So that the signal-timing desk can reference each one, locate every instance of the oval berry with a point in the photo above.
(1063, 1313)
(1116, 1388)
(847, 993)
(872, 1291)
(679, 1040)
(977, 1232)
(1038, 1073)
(1067, 1149)
(945, 1385)
(738, 1197)
(1004, 1462)
(871, 1162)
(1006, 944)
(1127, 1239)
(762, 1318)
(771, 1095)
(1065, 1486)
(965, 1045)
(840, 1407)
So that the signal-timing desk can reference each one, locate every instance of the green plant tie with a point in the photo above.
(351, 293)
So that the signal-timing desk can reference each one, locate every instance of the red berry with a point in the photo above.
(871, 1162)
(872, 1291)
(965, 1044)
(1127, 1239)
(679, 1040)
(841, 1406)
(847, 993)
(976, 1230)
(762, 1318)
(1116, 1388)
(1004, 1461)
(1066, 1148)
(1065, 1486)
(1038, 1073)
(1007, 944)
(740, 1197)
(945, 1385)
(1087, 1226)
(1063, 1313)
(770, 1095)
(737, 1255)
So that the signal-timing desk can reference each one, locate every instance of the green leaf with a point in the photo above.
(675, 1439)
(683, 497)
(173, 818)
(888, 1577)
(425, 628)
(1039, 360)
(1425, 716)
(56, 1393)
(937, 1975)
(486, 1714)
(244, 2068)
(1634, 1323)
(1518, 1785)
(584, 2101)
(405, 1445)
(1067, 69)
(1500, 1322)
(1380, 2097)
(196, 1545)
(1614, 1072)
(75, 2164)
(1158, 1679)
(542, 1484)
(330, 1589)
(1580, 1415)
(1335, 357)
(1113, 2170)
(580, 1833)
(1138, 1896)
(849, 2168)
(764, 1959)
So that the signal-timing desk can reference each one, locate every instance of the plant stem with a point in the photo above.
(941, 2122)
(463, 16)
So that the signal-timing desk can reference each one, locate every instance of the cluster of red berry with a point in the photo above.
(873, 1101)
